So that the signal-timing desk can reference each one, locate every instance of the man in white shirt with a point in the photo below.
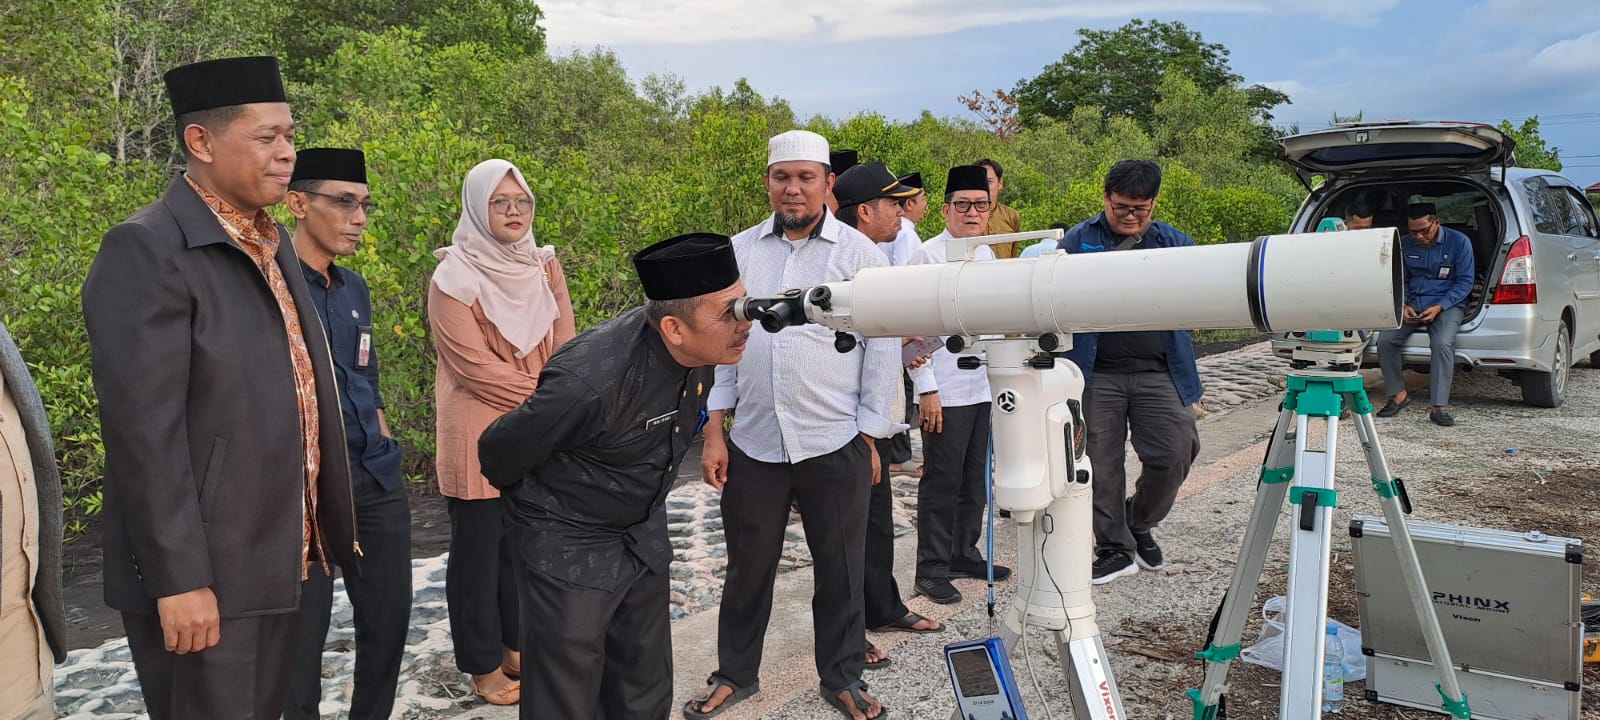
(870, 201)
(912, 209)
(806, 419)
(954, 421)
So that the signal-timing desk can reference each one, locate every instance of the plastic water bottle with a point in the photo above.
(1332, 671)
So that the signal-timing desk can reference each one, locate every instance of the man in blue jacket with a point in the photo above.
(1145, 381)
(1439, 272)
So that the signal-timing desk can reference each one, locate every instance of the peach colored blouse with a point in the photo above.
(479, 378)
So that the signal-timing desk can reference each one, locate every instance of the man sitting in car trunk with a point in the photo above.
(1439, 270)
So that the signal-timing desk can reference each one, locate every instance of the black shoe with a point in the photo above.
(1110, 564)
(1392, 408)
(1441, 417)
(939, 590)
(979, 570)
(1146, 551)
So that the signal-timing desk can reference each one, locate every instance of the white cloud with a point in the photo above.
(1573, 56)
(693, 22)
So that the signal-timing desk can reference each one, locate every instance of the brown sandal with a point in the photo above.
(511, 672)
(511, 694)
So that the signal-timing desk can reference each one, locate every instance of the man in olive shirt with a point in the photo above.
(585, 465)
(1002, 219)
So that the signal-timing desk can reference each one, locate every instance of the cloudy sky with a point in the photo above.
(1474, 60)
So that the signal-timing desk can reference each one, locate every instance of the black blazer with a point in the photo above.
(204, 473)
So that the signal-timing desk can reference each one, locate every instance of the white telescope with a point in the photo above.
(1348, 280)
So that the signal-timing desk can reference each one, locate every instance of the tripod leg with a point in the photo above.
(1305, 617)
(1094, 690)
(1454, 701)
(1224, 644)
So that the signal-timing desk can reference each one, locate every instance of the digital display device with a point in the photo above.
(981, 676)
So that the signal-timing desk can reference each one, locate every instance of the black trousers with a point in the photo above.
(480, 587)
(832, 493)
(595, 654)
(950, 498)
(1143, 408)
(881, 594)
(245, 677)
(381, 599)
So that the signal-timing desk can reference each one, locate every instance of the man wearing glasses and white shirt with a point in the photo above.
(1143, 381)
(955, 421)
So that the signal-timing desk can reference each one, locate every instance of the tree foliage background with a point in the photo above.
(431, 88)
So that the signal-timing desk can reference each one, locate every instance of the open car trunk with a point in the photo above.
(1354, 150)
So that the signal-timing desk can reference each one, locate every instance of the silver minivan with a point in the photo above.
(1535, 302)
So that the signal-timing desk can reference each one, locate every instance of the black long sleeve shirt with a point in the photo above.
(585, 463)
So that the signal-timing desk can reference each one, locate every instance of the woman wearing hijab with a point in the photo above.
(499, 308)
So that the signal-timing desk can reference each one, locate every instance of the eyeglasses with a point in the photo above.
(1134, 210)
(503, 205)
(1423, 231)
(346, 203)
(962, 206)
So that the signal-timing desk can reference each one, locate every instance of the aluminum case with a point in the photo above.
(1508, 605)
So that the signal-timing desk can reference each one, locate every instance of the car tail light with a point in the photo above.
(1517, 283)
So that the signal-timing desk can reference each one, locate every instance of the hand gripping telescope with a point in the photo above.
(1326, 281)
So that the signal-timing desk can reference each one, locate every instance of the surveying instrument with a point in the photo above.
(1324, 379)
(1019, 313)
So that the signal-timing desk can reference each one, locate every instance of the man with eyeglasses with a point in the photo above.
(1143, 382)
(954, 422)
(330, 202)
(1439, 271)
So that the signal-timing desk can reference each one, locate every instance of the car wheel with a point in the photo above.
(1594, 359)
(1548, 389)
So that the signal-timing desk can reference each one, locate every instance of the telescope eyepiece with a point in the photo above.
(772, 313)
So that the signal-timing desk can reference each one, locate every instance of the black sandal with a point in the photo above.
(883, 660)
(717, 681)
(909, 624)
(861, 703)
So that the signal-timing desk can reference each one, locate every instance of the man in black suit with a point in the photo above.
(227, 478)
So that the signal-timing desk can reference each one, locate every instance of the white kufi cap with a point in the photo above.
(797, 145)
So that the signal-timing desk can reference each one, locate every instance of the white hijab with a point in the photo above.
(508, 279)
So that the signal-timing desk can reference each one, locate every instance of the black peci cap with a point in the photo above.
(1417, 210)
(687, 266)
(330, 164)
(224, 83)
(967, 177)
(914, 180)
(842, 160)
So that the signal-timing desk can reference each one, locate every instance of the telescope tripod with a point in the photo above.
(1303, 475)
